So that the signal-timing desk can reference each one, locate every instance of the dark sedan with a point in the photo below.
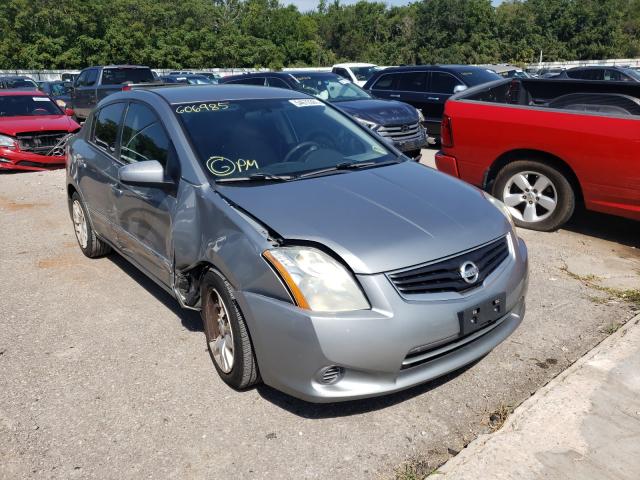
(396, 121)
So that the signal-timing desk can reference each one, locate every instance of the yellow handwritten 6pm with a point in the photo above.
(203, 107)
(222, 166)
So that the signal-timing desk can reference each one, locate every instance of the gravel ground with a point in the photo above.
(102, 376)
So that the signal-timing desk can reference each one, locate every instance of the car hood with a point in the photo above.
(376, 220)
(15, 125)
(382, 112)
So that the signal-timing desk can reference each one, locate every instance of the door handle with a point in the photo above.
(394, 96)
(116, 191)
(433, 98)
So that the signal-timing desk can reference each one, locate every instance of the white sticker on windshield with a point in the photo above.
(344, 81)
(306, 102)
(40, 99)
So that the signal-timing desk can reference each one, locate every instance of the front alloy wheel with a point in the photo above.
(218, 331)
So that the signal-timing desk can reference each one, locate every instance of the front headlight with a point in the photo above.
(367, 123)
(500, 206)
(316, 281)
(7, 142)
(420, 116)
(61, 103)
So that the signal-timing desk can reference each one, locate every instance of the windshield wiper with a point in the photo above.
(349, 166)
(256, 177)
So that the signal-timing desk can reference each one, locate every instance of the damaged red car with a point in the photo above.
(33, 131)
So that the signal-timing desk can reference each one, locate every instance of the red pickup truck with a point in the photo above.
(545, 146)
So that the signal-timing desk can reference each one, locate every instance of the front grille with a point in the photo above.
(445, 276)
(42, 143)
(400, 132)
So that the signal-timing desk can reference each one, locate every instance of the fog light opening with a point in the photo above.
(330, 375)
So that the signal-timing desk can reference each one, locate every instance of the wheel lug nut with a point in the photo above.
(530, 202)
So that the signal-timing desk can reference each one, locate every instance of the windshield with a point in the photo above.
(275, 137)
(331, 88)
(116, 76)
(364, 73)
(26, 105)
(632, 73)
(193, 80)
(473, 77)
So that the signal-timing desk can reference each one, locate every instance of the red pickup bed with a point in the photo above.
(544, 146)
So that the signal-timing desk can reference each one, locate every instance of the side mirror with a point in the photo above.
(149, 173)
(69, 112)
(459, 88)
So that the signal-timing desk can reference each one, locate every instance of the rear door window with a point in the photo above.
(105, 127)
(412, 82)
(251, 81)
(443, 82)
(143, 136)
(278, 83)
(342, 72)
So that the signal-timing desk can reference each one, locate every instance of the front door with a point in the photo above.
(144, 213)
(84, 92)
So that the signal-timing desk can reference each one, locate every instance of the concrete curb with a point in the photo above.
(550, 435)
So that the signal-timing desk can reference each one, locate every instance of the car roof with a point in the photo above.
(117, 66)
(354, 64)
(214, 93)
(419, 68)
(17, 92)
(15, 77)
(258, 74)
(598, 67)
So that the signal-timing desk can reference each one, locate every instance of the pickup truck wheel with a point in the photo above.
(226, 333)
(538, 196)
(90, 244)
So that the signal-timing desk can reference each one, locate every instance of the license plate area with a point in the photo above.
(483, 314)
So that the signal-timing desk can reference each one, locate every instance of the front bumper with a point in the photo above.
(409, 144)
(292, 345)
(17, 160)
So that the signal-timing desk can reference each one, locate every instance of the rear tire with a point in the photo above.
(226, 333)
(88, 241)
(538, 195)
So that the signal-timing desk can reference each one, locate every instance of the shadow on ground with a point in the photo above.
(606, 227)
(190, 319)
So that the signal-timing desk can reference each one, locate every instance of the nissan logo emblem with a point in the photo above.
(404, 128)
(469, 272)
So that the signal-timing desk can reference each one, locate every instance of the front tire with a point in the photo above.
(538, 195)
(88, 241)
(226, 333)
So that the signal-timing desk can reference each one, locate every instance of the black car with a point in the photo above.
(18, 82)
(602, 73)
(396, 121)
(427, 87)
(59, 90)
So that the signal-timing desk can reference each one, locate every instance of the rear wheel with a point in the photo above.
(538, 195)
(226, 333)
(89, 243)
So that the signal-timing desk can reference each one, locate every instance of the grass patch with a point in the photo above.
(415, 470)
(631, 296)
(611, 328)
(499, 416)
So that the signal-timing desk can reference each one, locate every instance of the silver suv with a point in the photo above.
(323, 261)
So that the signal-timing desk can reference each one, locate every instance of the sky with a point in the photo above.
(306, 5)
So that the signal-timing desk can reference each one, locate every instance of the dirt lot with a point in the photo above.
(102, 376)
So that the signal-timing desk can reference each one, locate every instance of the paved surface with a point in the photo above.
(102, 376)
(583, 425)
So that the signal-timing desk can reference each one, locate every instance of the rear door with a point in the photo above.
(144, 213)
(98, 168)
(441, 85)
